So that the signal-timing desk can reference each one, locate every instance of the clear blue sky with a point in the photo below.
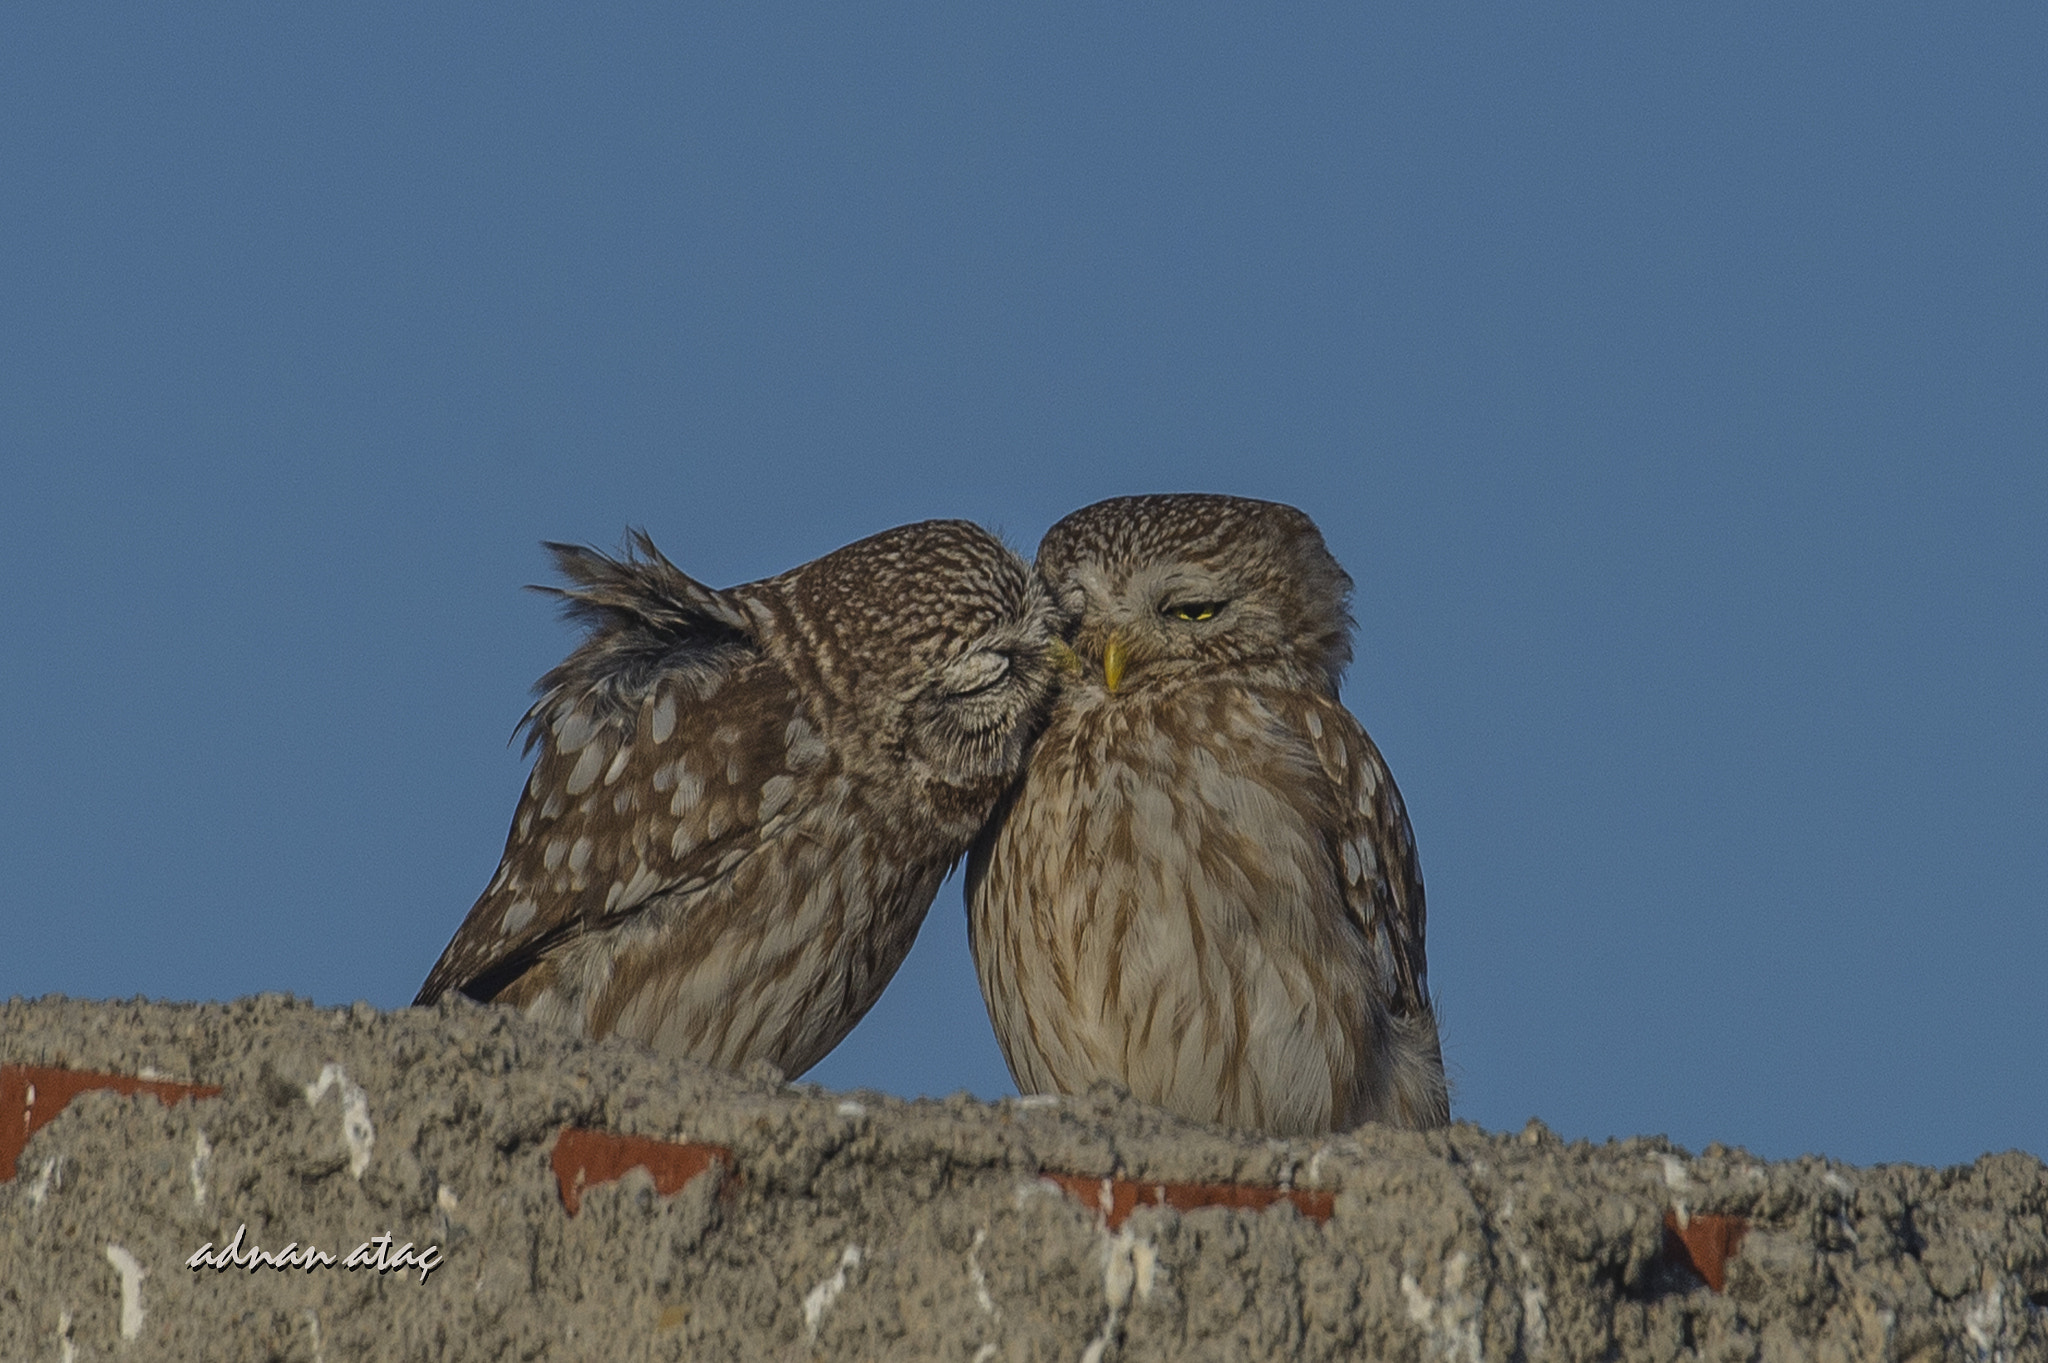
(1673, 381)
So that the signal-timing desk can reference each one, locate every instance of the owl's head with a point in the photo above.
(1185, 585)
(931, 648)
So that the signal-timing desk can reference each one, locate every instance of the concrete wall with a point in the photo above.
(759, 1220)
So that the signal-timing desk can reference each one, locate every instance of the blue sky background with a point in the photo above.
(1673, 381)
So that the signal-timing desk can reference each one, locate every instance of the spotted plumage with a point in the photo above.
(1205, 886)
(745, 799)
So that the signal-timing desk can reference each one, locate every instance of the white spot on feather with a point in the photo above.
(689, 790)
(806, 749)
(574, 730)
(579, 856)
(643, 882)
(618, 766)
(584, 775)
(662, 722)
(518, 916)
(775, 793)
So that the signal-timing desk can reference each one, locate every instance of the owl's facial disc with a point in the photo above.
(975, 672)
(1153, 618)
(975, 709)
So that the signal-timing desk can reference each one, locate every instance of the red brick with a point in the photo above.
(31, 1095)
(1704, 1244)
(585, 1159)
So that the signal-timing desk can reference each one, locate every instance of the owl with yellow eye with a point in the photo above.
(1204, 886)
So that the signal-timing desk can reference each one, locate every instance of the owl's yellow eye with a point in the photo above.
(1192, 610)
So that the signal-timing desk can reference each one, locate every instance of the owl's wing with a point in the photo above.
(1375, 851)
(661, 739)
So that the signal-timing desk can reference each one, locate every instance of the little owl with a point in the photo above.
(1204, 886)
(746, 799)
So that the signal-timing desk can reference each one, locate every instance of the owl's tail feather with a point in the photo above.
(1421, 1093)
(645, 620)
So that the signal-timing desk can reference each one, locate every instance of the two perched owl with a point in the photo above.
(1198, 880)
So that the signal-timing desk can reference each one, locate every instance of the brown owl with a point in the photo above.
(1205, 886)
(746, 799)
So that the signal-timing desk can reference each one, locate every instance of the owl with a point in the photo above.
(745, 799)
(1204, 885)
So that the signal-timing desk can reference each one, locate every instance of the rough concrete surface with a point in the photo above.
(862, 1226)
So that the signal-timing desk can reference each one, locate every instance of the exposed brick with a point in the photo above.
(31, 1095)
(584, 1159)
(1704, 1244)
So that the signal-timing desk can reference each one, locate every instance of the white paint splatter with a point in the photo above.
(1128, 1265)
(849, 1108)
(445, 1198)
(132, 1274)
(67, 1352)
(313, 1324)
(1451, 1326)
(1037, 1187)
(356, 1131)
(41, 1187)
(1535, 1329)
(1984, 1321)
(977, 1277)
(1674, 1172)
(202, 1162)
(1037, 1100)
(819, 1299)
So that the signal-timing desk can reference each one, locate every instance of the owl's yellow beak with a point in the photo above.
(1114, 657)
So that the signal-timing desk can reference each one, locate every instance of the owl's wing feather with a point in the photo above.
(657, 739)
(1375, 852)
